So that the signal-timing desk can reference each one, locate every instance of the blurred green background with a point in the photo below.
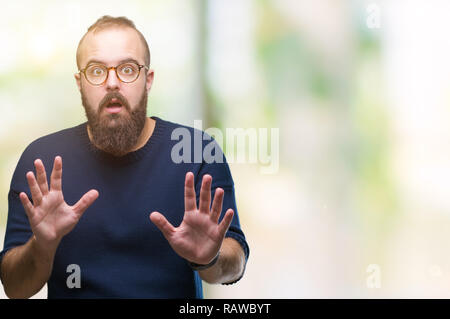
(362, 114)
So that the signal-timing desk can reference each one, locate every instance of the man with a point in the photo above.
(107, 228)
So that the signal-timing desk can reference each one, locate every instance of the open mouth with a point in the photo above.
(114, 106)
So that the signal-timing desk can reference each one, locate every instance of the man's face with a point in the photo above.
(116, 111)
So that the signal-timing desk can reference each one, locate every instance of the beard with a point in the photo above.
(116, 133)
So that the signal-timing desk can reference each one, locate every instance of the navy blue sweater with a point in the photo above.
(119, 251)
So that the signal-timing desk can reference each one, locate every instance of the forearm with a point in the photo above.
(229, 266)
(25, 269)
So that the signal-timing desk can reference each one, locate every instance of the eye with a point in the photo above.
(128, 69)
(96, 70)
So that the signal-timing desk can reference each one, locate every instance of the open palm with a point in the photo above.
(199, 236)
(49, 215)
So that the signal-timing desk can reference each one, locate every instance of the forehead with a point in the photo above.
(112, 45)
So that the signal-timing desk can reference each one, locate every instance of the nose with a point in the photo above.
(112, 83)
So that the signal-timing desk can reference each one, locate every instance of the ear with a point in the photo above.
(149, 79)
(78, 80)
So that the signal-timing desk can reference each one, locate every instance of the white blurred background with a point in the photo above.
(358, 89)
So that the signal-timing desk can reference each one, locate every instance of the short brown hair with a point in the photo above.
(107, 22)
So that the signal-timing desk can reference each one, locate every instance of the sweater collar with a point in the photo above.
(129, 157)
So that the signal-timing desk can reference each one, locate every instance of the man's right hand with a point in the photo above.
(25, 269)
(50, 216)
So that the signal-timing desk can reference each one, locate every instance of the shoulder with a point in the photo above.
(47, 147)
(173, 128)
(55, 140)
(192, 143)
(194, 134)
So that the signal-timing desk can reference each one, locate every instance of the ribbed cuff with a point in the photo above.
(246, 249)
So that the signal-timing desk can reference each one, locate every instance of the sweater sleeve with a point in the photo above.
(221, 177)
(18, 230)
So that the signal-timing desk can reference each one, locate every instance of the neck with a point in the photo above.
(146, 133)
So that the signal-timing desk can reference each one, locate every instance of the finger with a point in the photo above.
(55, 178)
(85, 201)
(27, 205)
(226, 222)
(189, 193)
(163, 224)
(205, 194)
(216, 207)
(41, 176)
(36, 194)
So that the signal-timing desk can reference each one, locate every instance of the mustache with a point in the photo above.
(113, 95)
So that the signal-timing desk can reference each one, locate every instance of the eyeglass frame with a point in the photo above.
(115, 70)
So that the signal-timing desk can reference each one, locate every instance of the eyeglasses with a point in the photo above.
(97, 74)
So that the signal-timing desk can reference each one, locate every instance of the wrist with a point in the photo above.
(44, 251)
(198, 267)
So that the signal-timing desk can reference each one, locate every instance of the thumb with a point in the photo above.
(162, 223)
(226, 222)
(85, 202)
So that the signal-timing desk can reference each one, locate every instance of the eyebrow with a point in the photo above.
(91, 61)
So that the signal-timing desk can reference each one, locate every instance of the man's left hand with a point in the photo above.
(199, 236)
